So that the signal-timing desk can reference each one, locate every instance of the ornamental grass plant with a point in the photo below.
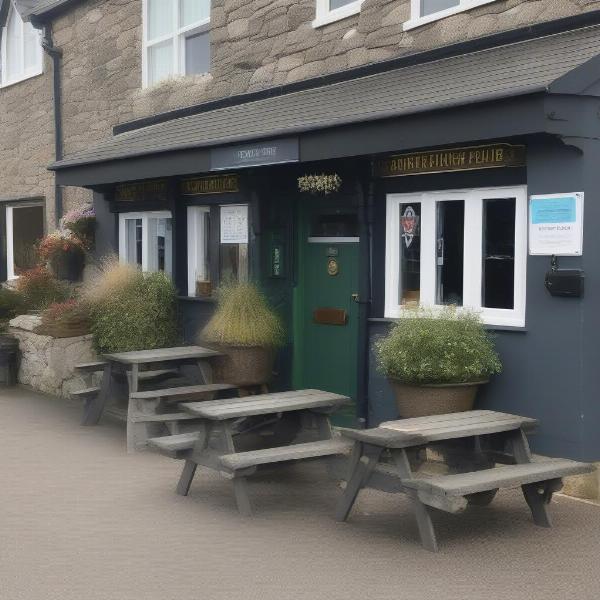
(438, 347)
(131, 310)
(243, 318)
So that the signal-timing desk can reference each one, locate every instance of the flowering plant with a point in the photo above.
(65, 319)
(39, 288)
(58, 243)
(324, 184)
(81, 222)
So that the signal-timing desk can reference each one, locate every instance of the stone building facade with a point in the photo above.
(255, 44)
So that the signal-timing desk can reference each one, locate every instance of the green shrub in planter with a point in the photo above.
(446, 347)
(140, 313)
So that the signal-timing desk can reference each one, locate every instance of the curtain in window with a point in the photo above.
(193, 11)
(160, 18)
(32, 46)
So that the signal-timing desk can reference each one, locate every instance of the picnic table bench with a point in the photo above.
(124, 394)
(224, 425)
(486, 438)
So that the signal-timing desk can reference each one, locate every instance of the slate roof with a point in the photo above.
(505, 71)
(41, 8)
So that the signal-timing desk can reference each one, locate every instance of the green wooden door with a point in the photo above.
(326, 324)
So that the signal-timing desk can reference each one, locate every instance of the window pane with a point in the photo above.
(14, 45)
(333, 4)
(160, 244)
(335, 225)
(429, 7)
(199, 252)
(32, 44)
(449, 252)
(233, 263)
(160, 62)
(498, 279)
(410, 253)
(28, 229)
(193, 11)
(134, 241)
(160, 18)
(197, 53)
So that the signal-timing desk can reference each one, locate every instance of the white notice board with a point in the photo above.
(556, 224)
(234, 224)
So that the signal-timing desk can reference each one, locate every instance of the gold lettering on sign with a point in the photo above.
(454, 159)
(216, 184)
(146, 190)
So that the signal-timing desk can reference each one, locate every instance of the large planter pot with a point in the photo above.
(68, 265)
(433, 399)
(244, 365)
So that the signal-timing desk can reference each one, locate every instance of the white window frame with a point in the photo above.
(38, 69)
(473, 251)
(145, 216)
(10, 237)
(325, 15)
(196, 216)
(416, 19)
(178, 38)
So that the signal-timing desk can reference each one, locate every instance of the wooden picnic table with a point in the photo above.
(225, 439)
(123, 373)
(477, 441)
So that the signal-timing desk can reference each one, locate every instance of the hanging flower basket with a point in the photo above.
(81, 222)
(64, 253)
(320, 184)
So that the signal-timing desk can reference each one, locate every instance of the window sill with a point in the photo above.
(12, 82)
(326, 18)
(442, 14)
(512, 328)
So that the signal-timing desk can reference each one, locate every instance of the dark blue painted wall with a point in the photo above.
(552, 367)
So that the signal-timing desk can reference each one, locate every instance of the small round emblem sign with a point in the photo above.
(332, 267)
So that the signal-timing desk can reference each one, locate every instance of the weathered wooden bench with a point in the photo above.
(538, 478)
(216, 444)
(150, 411)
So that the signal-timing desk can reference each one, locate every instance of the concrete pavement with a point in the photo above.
(82, 520)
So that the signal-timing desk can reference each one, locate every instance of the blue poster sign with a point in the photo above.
(554, 210)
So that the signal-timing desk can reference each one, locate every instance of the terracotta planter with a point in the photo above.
(433, 399)
(243, 365)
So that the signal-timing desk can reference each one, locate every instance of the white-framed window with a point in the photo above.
(21, 55)
(199, 275)
(426, 11)
(25, 225)
(329, 11)
(176, 39)
(458, 247)
(146, 240)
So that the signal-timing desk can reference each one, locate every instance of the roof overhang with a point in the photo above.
(439, 102)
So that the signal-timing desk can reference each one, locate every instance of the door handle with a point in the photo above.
(355, 297)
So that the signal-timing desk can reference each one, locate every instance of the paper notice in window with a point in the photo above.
(556, 224)
(234, 224)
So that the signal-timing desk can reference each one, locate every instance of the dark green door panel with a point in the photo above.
(325, 355)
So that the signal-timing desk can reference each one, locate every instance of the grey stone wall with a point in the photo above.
(256, 44)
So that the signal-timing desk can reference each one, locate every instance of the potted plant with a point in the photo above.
(436, 361)
(64, 253)
(81, 222)
(247, 330)
(65, 319)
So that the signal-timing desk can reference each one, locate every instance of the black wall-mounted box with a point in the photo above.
(566, 283)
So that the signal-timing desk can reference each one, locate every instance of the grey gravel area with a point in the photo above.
(80, 519)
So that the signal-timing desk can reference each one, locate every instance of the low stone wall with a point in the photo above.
(47, 363)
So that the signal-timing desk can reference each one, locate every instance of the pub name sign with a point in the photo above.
(453, 159)
(145, 191)
(216, 184)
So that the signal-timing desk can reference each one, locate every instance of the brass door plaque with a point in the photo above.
(330, 316)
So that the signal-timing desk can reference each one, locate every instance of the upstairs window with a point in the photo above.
(176, 39)
(21, 50)
(329, 11)
(426, 11)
